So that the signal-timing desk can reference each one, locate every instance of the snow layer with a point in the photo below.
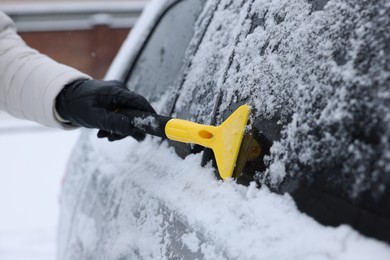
(320, 68)
(149, 122)
(129, 201)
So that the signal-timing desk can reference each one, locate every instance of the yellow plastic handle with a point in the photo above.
(190, 132)
(225, 140)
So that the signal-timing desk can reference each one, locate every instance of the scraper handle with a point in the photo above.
(172, 128)
(146, 122)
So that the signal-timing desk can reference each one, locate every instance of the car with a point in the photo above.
(316, 76)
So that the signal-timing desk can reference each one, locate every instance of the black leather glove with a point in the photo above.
(92, 104)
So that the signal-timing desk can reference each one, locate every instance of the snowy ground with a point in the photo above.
(32, 160)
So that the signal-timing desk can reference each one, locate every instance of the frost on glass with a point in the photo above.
(321, 68)
(329, 71)
(206, 72)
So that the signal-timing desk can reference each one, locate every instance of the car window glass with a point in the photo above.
(295, 72)
(162, 57)
(205, 76)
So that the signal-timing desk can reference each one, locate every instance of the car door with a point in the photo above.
(307, 113)
(151, 67)
(133, 200)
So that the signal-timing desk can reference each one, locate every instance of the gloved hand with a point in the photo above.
(92, 104)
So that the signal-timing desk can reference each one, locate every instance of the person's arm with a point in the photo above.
(29, 80)
(37, 88)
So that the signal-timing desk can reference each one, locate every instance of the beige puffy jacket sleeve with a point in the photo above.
(30, 81)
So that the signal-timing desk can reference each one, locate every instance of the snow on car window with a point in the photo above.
(210, 61)
(320, 67)
(329, 70)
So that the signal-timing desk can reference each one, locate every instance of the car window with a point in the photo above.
(201, 88)
(204, 78)
(161, 58)
(295, 73)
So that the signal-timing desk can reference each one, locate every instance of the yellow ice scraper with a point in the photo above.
(225, 140)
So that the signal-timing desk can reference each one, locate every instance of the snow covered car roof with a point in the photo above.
(317, 74)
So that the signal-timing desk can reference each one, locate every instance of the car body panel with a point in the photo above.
(131, 200)
(122, 205)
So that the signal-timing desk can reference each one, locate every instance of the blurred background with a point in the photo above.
(83, 34)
